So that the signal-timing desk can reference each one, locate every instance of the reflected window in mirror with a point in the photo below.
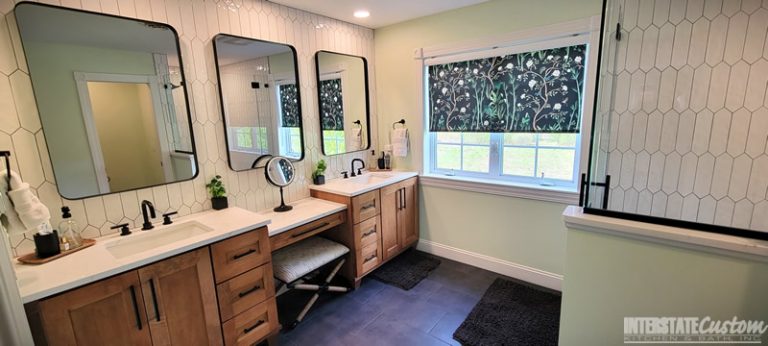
(111, 99)
(260, 100)
(343, 102)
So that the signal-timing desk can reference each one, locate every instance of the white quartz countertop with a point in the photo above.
(366, 182)
(96, 262)
(575, 218)
(304, 211)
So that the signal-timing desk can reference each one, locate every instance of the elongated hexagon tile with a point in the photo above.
(737, 86)
(721, 176)
(760, 217)
(682, 44)
(700, 88)
(718, 29)
(687, 171)
(9, 122)
(94, 210)
(721, 125)
(758, 128)
(674, 206)
(704, 174)
(737, 138)
(724, 212)
(7, 60)
(25, 101)
(742, 167)
(742, 214)
(707, 207)
(667, 89)
(685, 131)
(669, 132)
(756, 34)
(648, 48)
(701, 132)
(694, 10)
(734, 41)
(28, 157)
(671, 172)
(758, 180)
(666, 43)
(756, 85)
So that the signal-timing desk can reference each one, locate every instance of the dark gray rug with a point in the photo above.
(512, 314)
(407, 269)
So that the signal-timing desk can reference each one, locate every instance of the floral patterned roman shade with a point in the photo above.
(289, 105)
(537, 91)
(331, 105)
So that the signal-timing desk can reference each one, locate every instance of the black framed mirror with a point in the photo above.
(260, 100)
(111, 99)
(342, 91)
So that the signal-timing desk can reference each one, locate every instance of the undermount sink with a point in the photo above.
(146, 240)
(370, 178)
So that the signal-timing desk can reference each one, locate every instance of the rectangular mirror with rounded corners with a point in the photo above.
(111, 99)
(260, 100)
(342, 90)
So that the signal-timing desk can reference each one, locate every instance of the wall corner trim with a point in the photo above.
(511, 269)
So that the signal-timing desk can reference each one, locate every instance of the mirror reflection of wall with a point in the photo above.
(343, 100)
(110, 98)
(260, 100)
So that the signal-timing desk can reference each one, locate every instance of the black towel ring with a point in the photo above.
(401, 122)
(358, 123)
(7, 155)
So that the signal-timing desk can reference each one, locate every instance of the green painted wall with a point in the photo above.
(608, 278)
(53, 67)
(519, 230)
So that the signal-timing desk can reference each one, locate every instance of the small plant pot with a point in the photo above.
(219, 203)
(319, 180)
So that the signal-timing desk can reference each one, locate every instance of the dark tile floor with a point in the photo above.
(380, 314)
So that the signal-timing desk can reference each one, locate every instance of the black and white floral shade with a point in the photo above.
(289, 105)
(331, 105)
(537, 91)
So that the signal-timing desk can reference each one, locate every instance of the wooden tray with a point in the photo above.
(31, 258)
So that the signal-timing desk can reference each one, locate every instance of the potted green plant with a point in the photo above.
(218, 193)
(318, 175)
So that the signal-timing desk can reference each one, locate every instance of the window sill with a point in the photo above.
(541, 193)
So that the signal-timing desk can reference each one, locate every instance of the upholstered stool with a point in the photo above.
(295, 261)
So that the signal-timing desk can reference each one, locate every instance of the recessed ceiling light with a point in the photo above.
(362, 14)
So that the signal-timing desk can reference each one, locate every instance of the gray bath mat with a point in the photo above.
(512, 314)
(407, 269)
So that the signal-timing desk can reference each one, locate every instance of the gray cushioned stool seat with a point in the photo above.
(296, 260)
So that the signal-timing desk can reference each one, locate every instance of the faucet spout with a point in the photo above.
(359, 170)
(147, 211)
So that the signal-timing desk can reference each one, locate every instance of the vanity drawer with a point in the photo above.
(307, 230)
(365, 206)
(245, 291)
(368, 231)
(240, 254)
(252, 325)
(369, 258)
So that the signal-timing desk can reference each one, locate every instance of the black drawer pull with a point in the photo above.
(249, 329)
(135, 307)
(245, 293)
(372, 231)
(310, 231)
(239, 256)
(369, 206)
(370, 258)
(154, 298)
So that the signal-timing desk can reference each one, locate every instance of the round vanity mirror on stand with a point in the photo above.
(280, 172)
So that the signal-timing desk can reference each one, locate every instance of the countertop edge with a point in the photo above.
(295, 224)
(402, 175)
(753, 249)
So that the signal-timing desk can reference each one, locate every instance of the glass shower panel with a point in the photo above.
(681, 123)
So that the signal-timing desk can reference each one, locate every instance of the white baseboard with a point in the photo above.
(514, 270)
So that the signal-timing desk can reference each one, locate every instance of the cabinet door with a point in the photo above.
(409, 214)
(390, 209)
(108, 312)
(180, 300)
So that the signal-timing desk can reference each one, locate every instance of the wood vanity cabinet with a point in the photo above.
(399, 228)
(384, 222)
(176, 301)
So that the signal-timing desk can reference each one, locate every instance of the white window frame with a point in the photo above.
(284, 134)
(582, 31)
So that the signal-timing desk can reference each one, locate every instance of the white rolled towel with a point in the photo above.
(400, 142)
(356, 140)
(23, 211)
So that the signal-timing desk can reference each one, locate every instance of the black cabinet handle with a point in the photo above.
(135, 307)
(247, 292)
(369, 206)
(247, 330)
(370, 258)
(372, 231)
(399, 200)
(154, 298)
(405, 200)
(311, 230)
(239, 256)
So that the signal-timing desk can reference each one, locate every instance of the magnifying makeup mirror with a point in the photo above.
(280, 172)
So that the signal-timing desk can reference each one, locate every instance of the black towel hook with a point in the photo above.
(358, 123)
(401, 122)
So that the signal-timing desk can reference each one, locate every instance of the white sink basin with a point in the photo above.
(370, 178)
(146, 240)
(360, 184)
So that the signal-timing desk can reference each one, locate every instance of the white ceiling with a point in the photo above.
(383, 12)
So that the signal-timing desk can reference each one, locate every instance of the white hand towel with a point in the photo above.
(23, 210)
(356, 140)
(400, 142)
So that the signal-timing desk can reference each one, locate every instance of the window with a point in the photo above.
(249, 139)
(334, 142)
(510, 114)
(290, 145)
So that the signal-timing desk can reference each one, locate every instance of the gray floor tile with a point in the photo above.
(446, 326)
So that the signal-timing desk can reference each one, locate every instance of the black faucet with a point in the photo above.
(359, 170)
(147, 223)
